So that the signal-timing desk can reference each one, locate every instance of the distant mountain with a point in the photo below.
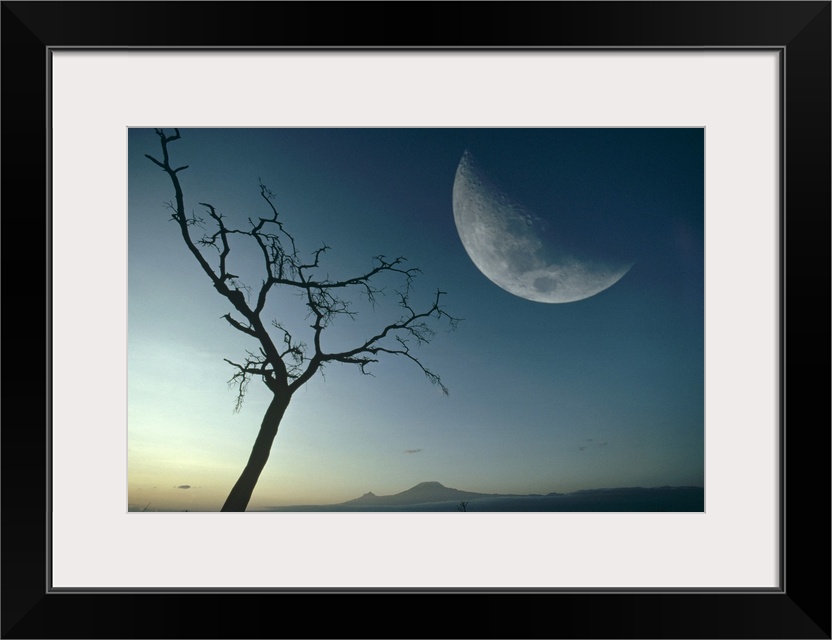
(630, 490)
(423, 492)
(435, 497)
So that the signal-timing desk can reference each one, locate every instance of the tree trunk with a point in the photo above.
(241, 493)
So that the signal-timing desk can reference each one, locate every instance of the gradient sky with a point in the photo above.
(603, 392)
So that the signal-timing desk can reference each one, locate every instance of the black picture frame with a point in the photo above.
(799, 31)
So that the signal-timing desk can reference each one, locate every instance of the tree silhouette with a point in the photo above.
(282, 362)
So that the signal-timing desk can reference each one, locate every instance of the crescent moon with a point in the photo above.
(506, 243)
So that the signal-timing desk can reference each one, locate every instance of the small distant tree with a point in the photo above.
(281, 361)
(462, 506)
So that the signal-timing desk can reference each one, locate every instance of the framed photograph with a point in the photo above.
(697, 139)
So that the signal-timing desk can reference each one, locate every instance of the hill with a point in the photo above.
(422, 493)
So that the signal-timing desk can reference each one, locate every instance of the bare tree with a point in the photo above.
(281, 361)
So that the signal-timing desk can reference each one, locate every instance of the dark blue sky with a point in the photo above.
(606, 391)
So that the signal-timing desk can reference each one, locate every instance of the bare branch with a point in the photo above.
(240, 327)
(395, 339)
(254, 365)
(284, 369)
(154, 160)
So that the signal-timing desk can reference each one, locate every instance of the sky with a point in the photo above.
(607, 391)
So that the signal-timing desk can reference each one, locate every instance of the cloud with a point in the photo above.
(183, 486)
(592, 444)
(412, 450)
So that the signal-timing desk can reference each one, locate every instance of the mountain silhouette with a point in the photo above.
(433, 496)
(421, 493)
